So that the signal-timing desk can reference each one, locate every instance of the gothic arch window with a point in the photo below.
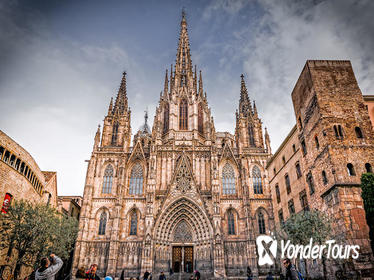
(115, 134)
(288, 184)
(368, 168)
(351, 169)
(133, 223)
(166, 118)
(102, 224)
(200, 120)
(108, 179)
(338, 131)
(183, 115)
(231, 222)
(324, 177)
(261, 223)
(257, 181)
(251, 136)
(358, 132)
(228, 179)
(136, 180)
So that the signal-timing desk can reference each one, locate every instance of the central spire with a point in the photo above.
(183, 66)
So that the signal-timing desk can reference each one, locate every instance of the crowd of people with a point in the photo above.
(50, 266)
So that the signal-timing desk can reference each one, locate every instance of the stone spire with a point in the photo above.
(110, 109)
(97, 138)
(183, 66)
(195, 80)
(166, 84)
(201, 91)
(267, 141)
(171, 78)
(244, 104)
(120, 105)
(255, 109)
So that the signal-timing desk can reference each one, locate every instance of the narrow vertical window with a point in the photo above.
(102, 224)
(261, 223)
(368, 168)
(108, 179)
(166, 118)
(200, 121)
(277, 193)
(291, 207)
(1, 152)
(310, 182)
(231, 222)
(300, 123)
(338, 131)
(351, 170)
(298, 170)
(316, 141)
(304, 201)
(115, 134)
(251, 136)
(228, 180)
(133, 223)
(280, 216)
(284, 160)
(288, 185)
(257, 180)
(324, 177)
(136, 180)
(183, 115)
(358, 132)
(303, 147)
(294, 148)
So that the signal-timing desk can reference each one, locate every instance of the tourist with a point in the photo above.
(80, 273)
(162, 276)
(146, 275)
(91, 273)
(108, 278)
(291, 272)
(197, 275)
(48, 268)
(249, 273)
(270, 276)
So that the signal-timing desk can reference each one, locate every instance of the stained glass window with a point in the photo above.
(136, 180)
(108, 179)
(228, 179)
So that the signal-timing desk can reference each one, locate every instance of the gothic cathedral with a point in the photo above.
(183, 196)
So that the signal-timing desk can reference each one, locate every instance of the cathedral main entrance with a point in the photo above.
(182, 259)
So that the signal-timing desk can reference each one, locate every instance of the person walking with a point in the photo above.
(162, 276)
(146, 275)
(291, 272)
(197, 275)
(81, 274)
(48, 268)
(91, 274)
(249, 273)
(270, 276)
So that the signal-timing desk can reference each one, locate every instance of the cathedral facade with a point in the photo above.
(182, 196)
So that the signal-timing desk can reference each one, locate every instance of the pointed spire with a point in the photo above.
(97, 137)
(120, 105)
(254, 109)
(245, 106)
(183, 65)
(171, 78)
(267, 141)
(166, 84)
(195, 80)
(146, 117)
(201, 91)
(110, 109)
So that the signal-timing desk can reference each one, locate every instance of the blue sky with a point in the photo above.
(61, 61)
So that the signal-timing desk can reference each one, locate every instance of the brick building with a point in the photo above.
(319, 164)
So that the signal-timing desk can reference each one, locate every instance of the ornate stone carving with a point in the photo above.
(182, 233)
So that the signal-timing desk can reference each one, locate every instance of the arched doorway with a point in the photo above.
(183, 238)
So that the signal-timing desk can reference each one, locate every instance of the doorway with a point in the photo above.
(182, 259)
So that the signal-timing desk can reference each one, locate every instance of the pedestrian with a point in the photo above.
(146, 275)
(191, 277)
(249, 273)
(291, 272)
(91, 273)
(162, 276)
(80, 273)
(150, 276)
(122, 275)
(48, 268)
(197, 275)
(108, 278)
(270, 276)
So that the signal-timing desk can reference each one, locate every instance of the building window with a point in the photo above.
(300, 123)
(316, 141)
(303, 147)
(358, 132)
(368, 168)
(350, 169)
(183, 115)
(310, 182)
(324, 177)
(200, 119)
(231, 222)
(133, 223)
(291, 207)
(22, 167)
(257, 181)
(12, 160)
(102, 225)
(166, 118)
(136, 180)
(108, 179)
(304, 201)
(298, 170)
(18, 163)
(277, 193)
(275, 171)
(280, 216)
(261, 223)
(1, 152)
(6, 156)
(115, 134)
(228, 179)
(284, 160)
(288, 185)
(338, 131)
(251, 136)
(294, 148)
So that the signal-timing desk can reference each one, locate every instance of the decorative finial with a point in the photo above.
(146, 116)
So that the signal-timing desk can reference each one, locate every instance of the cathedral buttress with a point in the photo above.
(248, 131)
(117, 128)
